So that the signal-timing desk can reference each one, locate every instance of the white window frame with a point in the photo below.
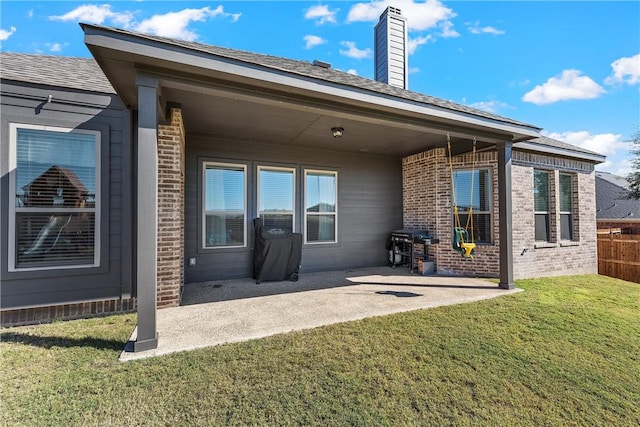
(281, 169)
(13, 209)
(306, 214)
(203, 237)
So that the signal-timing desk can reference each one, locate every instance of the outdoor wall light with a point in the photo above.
(337, 132)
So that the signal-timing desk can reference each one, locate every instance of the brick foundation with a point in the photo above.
(37, 315)
(171, 152)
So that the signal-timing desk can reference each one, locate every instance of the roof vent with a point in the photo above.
(321, 64)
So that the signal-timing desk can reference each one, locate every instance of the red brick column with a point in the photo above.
(171, 146)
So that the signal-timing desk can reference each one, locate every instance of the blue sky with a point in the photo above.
(572, 68)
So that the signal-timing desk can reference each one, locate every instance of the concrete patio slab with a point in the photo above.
(221, 312)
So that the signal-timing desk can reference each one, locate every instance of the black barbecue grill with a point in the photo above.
(402, 248)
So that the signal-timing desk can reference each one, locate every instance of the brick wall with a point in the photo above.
(171, 146)
(36, 315)
(427, 203)
(537, 259)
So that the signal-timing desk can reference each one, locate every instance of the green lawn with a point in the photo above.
(564, 352)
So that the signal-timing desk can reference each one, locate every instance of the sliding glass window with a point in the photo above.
(225, 205)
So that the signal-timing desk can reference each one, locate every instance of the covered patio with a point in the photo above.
(200, 107)
(228, 311)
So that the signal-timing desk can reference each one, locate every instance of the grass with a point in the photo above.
(565, 352)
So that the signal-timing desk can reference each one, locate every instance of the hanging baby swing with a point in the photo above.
(463, 237)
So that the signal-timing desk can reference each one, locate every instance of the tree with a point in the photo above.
(634, 176)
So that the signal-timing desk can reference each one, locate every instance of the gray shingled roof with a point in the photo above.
(307, 69)
(549, 142)
(612, 198)
(59, 71)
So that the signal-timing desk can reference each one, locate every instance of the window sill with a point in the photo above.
(320, 245)
(545, 245)
(567, 243)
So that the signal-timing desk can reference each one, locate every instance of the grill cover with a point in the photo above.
(276, 254)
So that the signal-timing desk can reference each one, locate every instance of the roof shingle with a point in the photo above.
(307, 69)
(549, 142)
(59, 71)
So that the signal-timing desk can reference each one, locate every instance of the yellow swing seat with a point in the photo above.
(468, 249)
(461, 243)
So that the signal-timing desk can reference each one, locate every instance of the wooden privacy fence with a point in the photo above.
(619, 256)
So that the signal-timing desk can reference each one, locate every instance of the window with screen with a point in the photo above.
(541, 201)
(276, 195)
(54, 217)
(225, 205)
(473, 189)
(566, 206)
(321, 206)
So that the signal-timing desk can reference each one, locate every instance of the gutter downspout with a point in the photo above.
(505, 214)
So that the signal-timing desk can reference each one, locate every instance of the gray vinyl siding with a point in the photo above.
(25, 104)
(369, 206)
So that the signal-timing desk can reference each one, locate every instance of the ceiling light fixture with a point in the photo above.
(337, 132)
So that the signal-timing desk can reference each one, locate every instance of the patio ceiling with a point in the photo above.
(302, 125)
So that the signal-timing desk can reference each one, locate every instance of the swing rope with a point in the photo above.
(461, 238)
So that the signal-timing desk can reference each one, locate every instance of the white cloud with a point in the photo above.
(422, 14)
(525, 82)
(174, 24)
(620, 167)
(448, 31)
(171, 24)
(609, 144)
(352, 71)
(353, 52)
(489, 106)
(54, 47)
(413, 43)
(312, 41)
(475, 28)
(30, 14)
(95, 14)
(571, 84)
(625, 70)
(414, 70)
(322, 14)
(4, 34)
(604, 143)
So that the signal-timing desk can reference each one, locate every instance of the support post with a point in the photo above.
(505, 211)
(147, 216)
